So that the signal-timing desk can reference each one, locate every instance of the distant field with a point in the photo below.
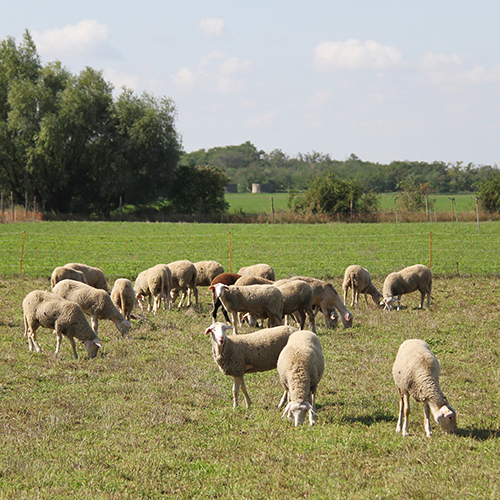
(261, 203)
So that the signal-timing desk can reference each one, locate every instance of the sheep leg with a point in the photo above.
(94, 322)
(32, 343)
(401, 411)
(239, 382)
(427, 421)
(283, 400)
(399, 302)
(234, 316)
(406, 405)
(428, 300)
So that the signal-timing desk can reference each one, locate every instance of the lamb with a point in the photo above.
(151, 284)
(226, 279)
(358, 278)
(254, 352)
(94, 302)
(409, 279)
(184, 280)
(65, 273)
(95, 277)
(326, 299)
(416, 374)
(123, 297)
(46, 309)
(300, 367)
(262, 270)
(206, 271)
(253, 299)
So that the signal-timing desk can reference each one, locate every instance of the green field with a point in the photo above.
(252, 203)
(151, 416)
(123, 249)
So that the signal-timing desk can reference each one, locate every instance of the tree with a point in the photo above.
(489, 192)
(330, 195)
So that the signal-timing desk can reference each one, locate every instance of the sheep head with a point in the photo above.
(218, 289)
(388, 303)
(298, 411)
(217, 332)
(92, 347)
(447, 419)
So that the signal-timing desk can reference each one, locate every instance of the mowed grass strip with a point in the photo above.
(152, 417)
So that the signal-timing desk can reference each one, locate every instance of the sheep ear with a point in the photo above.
(133, 316)
(211, 287)
(287, 410)
(208, 331)
(97, 343)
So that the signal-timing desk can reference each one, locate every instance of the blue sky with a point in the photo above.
(386, 80)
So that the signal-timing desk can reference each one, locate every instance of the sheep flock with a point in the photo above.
(253, 294)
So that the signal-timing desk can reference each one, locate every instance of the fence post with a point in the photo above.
(22, 252)
(229, 252)
(430, 249)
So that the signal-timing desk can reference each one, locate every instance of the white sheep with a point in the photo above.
(123, 296)
(151, 284)
(409, 279)
(326, 299)
(227, 279)
(300, 367)
(416, 374)
(297, 301)
(183, 280)
(166, 296)
(262, 270)
(95, 276)
(66, 273)
(254, 299)
(359, 280)
(206, 271)
(48, 310)
(253, 352)
(94, 302)
(246, 280)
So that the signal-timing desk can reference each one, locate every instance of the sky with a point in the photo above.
(385, 80)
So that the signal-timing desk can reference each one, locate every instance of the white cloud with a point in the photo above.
(263, 120)
(215, 72)
(85, 39)
(320, 98)
(119, 80)
(355, 55)
(212, 27)
(430, 61)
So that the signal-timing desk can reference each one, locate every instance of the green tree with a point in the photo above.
(330, 195)
(489, 192)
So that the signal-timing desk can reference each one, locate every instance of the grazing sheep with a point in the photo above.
(65, 273)
(226, 279)
(94, 302)
(65, 317)
(416, 374)
(252, 299)
(206, 271)
(409, 279)
(123, 296)
(254, 352)
(297, 298)
(166, 296)
(95, 277)
(300, 368)
(151, 283)
(184, 280)
(358, 278)
(246, 280)
(261, 270)
(326, 299)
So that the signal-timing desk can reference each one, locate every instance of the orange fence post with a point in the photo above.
(22, 253)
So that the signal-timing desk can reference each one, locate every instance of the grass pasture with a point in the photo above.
(151, 416)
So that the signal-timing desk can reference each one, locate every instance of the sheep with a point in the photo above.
(95, 277)
(65, 273)
(246, 280)
(253, 352)
(409, 279)
(416, 374)
(95, 302)
(46, 309)
(226, 279)
(151, 283)
(326, 299)
(300, 367)
(167, 287)
(184, 280)
(297, 298)
(123, 296)
(358, 278)
(262, 270)
(254, 299)
(206, 271)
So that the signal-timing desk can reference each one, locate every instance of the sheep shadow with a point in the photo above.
(369, 420)
(478, 434)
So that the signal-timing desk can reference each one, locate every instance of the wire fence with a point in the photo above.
(36, 255)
